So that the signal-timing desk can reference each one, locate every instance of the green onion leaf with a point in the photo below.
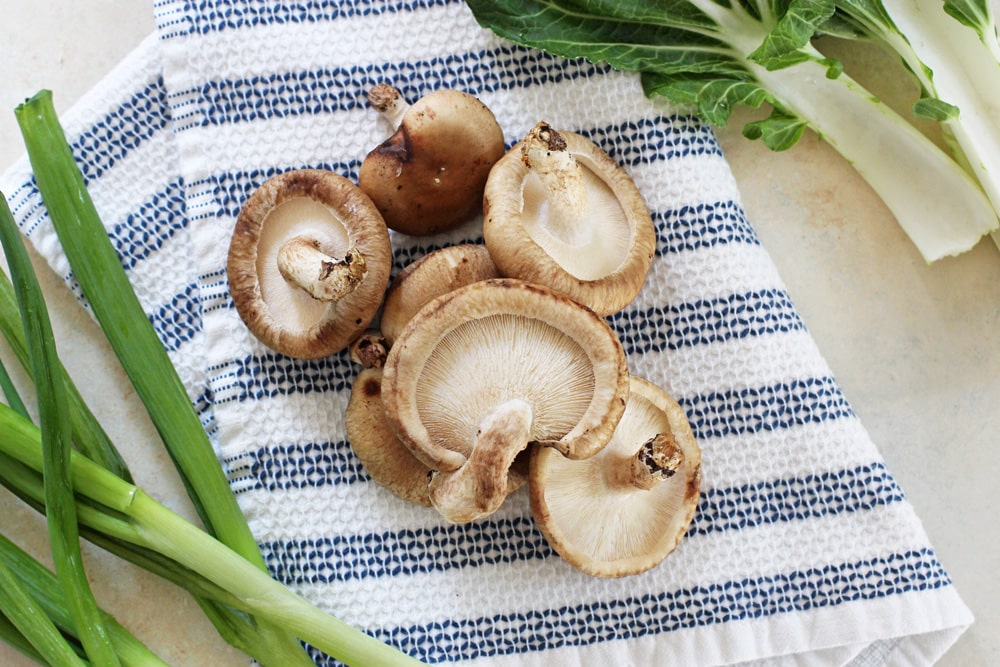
(56, 440)
(36, 627)
(88, 435)
(97, 268)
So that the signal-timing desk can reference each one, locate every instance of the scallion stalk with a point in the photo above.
(131, 515)
(88, 435)
(32, 622)
(42, 587)
(10, 392)
(56, 445)
(97, 268)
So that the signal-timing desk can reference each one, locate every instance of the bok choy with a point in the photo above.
(714, 55)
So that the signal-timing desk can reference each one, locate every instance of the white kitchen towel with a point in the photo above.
(804, 549)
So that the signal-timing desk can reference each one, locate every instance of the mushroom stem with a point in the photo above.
(370, 349)
(657, 460)
(544, 152)
(389, 102)
(324, 278)
(480, 485)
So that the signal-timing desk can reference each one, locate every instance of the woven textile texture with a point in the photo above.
(804, 550)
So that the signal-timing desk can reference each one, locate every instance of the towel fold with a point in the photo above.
(804, 550)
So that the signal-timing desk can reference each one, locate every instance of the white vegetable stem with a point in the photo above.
(965, 72)
(935, 201)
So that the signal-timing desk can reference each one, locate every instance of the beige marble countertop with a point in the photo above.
(916, 348)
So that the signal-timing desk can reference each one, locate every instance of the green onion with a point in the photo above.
(43, 588)
(56, 440)
(10, 392)
(97, 268)
(88, 435)
(126, 513)
(250, 610)
(11, 635)
(27, 616)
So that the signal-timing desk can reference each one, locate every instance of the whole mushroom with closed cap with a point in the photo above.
(428, 177)
(308, 263)
(480, 373)
(561, 212)
(427, 278)
(625, 509)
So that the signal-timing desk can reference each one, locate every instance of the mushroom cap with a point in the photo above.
(605, 263)
(605, 528)
(326, 207)
(427, 278)
(384, 457)
(429, 176)
(468, 351)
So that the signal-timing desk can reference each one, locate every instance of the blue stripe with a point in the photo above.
(796, 499)
(630, 143)
(179, 320)
(224, 15)
(754, 409)
(706, 321)
(152, 224)
(778, 406)
(104, 144)
(339, 89)
(296, 466)
(259, 377)
(108, 141)
(699, 606)
(700, 225)
(495, 540)
(326, 91)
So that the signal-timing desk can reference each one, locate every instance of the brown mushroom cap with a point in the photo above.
(428, 177)
(309, 261)
(625, 509)
(429, 277)
(471, 350)
(565, 215)
(384, 457)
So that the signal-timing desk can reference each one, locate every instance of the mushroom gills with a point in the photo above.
(465, 378)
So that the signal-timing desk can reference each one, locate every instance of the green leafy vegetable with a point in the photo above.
(713, 56)
(53, 411)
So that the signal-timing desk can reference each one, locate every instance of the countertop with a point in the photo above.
(916, 347)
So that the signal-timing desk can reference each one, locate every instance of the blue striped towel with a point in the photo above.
(804, 549)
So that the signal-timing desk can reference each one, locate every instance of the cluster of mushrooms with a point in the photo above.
(491, 365)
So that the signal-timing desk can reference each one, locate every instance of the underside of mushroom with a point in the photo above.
(559, 211)
(503, 352)
(308, 263)
(625, 509)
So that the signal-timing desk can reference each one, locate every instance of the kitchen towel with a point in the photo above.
(804, 549)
